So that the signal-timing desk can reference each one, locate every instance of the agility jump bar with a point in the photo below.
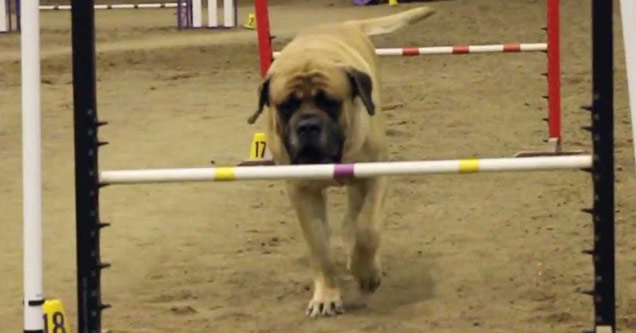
(117, 6)
(459, 49)
(345, 171)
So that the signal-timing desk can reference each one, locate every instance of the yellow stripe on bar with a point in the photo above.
(224, 174)
(468, 166)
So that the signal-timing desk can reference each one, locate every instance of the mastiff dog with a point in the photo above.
(322, 97)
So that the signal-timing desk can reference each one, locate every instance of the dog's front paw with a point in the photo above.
(326, 302)
(367, 272)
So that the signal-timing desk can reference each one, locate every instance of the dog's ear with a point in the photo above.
(263, 100)
(362, 86)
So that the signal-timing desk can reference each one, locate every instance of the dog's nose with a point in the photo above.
(309, 127)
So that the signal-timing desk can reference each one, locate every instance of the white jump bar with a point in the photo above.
(345, 171)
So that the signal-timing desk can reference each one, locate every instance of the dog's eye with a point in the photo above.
(291, 104)
(328, 104)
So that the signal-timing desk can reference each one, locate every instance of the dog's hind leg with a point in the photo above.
(365, 260)
(311, 207)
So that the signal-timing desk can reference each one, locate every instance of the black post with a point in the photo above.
(180, 11)
(603, 164)
(18, 17)
(189, 17)
(86, 169)
(8, 11)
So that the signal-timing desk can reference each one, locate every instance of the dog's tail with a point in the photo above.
(391, 23)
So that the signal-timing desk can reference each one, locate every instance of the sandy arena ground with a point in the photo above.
(473, 253)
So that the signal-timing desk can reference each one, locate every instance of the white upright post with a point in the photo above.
(196, 14)
(31, 167)
(213, 20)
(4, 16)
(628, 11)
(228, 13)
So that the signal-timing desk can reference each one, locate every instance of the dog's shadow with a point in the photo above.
(405, 281)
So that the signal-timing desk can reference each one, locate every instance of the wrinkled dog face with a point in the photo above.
(311, 111)
(309, 123)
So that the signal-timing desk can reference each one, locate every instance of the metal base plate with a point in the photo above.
(256, 162)
(554, 149)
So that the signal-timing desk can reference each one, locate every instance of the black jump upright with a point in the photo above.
(602, 110)
(86, 123)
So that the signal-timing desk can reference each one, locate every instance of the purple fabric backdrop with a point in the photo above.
(365, 2)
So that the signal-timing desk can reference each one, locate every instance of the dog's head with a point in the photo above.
(313, 107)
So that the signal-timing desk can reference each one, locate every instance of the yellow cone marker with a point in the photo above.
(251, 22)
(259, 146)
(393, 2)
(55, 320)
(259, 154)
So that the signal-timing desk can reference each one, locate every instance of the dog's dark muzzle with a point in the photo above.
(315, 141)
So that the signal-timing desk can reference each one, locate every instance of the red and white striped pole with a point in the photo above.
(459, 49)
(462, 49)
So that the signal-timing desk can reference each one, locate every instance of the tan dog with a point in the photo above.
(321, 93)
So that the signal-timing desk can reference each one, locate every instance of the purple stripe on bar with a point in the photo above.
(343, 171)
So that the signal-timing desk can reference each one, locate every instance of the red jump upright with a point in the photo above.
(554, 74)
(264, 37)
